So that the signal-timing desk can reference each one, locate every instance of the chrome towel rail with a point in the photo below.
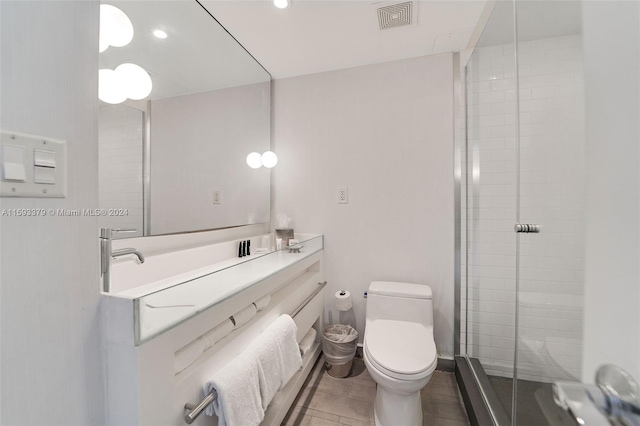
(192, 411)
(308, 299)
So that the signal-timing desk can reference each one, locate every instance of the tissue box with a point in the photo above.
(286, 234)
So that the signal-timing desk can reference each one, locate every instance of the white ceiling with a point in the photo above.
(197, 56)
(537, 19)
(317, 35)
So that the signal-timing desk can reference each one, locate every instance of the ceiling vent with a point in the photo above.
(395, 15)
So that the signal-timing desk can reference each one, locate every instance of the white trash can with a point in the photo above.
(339, 345)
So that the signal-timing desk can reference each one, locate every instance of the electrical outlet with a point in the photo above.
(216, 197)
(343, 195)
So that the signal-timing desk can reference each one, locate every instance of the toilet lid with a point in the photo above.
(400, 347)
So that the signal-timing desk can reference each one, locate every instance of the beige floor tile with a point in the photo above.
(322, 414)
(362, 390)
(437, 421)
(317, 421)
(326, 400)
(296, 418)
(333, 404)
(442, 383)
(353, 422)
(444, 408)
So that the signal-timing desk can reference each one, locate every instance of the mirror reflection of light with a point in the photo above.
(126, 81)
(115, 27)
(254, 160)
(281, 4)
(269, 159)
(160, 34)
(110, 87)
(136, 81)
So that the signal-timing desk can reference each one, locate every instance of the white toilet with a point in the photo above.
(399, 350)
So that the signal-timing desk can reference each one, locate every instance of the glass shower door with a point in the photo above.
(524, 164)
(490, 197)
(551, 194)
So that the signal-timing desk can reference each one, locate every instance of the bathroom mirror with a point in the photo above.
(175, 160)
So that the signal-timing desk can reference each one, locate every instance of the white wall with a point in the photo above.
(612, 294)
(120, 139)
(386, 132)
(552, 189)
(50, 357)
(199, 143)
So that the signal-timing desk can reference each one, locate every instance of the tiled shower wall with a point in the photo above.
(120, 139)
(551, 194)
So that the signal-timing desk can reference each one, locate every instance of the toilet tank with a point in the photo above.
(400, 302)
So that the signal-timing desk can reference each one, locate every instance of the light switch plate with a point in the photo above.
(36, 184)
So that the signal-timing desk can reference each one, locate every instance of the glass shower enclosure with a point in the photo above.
(522, 199)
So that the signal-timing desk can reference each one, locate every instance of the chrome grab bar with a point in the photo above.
(308, 299)
(192, 411)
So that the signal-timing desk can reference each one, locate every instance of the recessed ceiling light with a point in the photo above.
(160, 34)
(282, 4)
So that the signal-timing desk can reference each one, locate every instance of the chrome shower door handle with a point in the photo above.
(527, 228)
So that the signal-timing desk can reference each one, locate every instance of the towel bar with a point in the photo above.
(192, 411)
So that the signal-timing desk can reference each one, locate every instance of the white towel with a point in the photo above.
(190, 353)
(242, 317)
(237, 385)
(262, 302)
(307, 342)
(267, 350)
(284, 328)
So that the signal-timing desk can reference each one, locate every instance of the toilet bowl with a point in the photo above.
(399, 350)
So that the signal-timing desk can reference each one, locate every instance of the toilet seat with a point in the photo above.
(400, 349)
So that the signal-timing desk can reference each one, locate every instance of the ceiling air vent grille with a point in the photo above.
(396, 15)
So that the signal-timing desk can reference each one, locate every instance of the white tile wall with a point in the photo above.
(552, 193)
(120, 141)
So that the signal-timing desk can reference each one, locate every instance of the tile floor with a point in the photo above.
(327, 401)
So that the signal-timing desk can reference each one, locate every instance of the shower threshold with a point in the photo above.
(488, 399)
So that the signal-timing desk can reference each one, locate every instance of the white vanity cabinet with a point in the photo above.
(142, 387)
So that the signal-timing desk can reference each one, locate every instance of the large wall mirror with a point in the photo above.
(173, 159)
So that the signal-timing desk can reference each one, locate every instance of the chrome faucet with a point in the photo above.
(106, 254)
(139, 258)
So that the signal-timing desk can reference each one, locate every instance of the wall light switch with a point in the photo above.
(217, 198)
(44, 158)
(13, 163)
(46, 175)
(32, 166)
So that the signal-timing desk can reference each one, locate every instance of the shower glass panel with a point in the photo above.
(552, 194)
(490, 179)
(523, 162)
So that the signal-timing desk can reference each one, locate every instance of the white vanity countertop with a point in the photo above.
(170, 301)
(174, 280)
(167, 269)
